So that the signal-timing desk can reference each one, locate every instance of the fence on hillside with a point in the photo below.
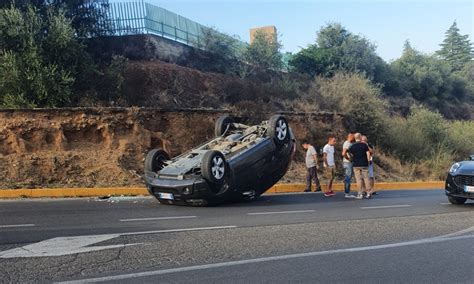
(139, 17)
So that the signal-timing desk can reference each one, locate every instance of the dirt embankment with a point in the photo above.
(106, 147)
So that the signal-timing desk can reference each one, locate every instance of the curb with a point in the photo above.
(379, 186)
(278, 188)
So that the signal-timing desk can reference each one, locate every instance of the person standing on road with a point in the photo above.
(360, 161)
(371, 163)
(329, 164)
(311, 167)
(347, 165)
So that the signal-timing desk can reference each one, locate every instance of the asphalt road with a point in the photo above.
(398, 236)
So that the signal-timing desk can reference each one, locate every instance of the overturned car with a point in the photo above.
(241, 163)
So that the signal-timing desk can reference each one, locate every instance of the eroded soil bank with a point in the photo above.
(101, 147)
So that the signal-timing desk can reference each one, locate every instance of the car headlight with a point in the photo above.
(454, 168)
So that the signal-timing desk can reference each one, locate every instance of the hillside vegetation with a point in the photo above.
(418, 109)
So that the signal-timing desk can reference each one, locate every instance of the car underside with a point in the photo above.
(240, 163)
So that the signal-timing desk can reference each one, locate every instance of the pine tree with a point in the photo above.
(456, 48)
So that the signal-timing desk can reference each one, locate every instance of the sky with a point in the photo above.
(386, 23)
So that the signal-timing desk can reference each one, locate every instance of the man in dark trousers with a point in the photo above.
(311, 167)
(360, 153)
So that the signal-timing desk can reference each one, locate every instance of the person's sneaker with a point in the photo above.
(348, 195)
(368, 196)
(318, 189)
(307, 190)
(332, 193)
(328, 194)
(359, 196)
(374, 193)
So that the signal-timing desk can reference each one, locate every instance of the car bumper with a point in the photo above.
(191, 190)
(455, 190)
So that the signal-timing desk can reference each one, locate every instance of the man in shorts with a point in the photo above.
(311, 167)
(329, 165)
(371, 163)
(360, 158)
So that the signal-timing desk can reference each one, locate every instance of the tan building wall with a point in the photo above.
(269, 30)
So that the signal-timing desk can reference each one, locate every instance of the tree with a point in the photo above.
(336, 49)
(456, 48)
(87, 17)
(29, 77)
(264, 51)
(427, 79)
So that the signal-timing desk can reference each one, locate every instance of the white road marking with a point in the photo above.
(281, 212)
(81, 244)
(157, 218)
(17, 226)
(266, 259)
(458, 233)
(178, 230)
(387, 206)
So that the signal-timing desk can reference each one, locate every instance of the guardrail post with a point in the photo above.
(175, 33)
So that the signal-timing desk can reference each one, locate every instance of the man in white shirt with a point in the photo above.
(311, 167)
(329, 164)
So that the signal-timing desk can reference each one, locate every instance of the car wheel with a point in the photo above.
(222, 125)
(278, 129)
(156, 160)
(456, 200)
(214, 167)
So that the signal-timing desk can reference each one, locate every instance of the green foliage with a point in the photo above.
(43, 56)
(28, 76)
(456, 48)
(226, 50)
(427, 78)
(461, 138)
(110, 81)
(87, 19)
(357, 98)
(336, 49)
(217, 43)
(264, 52)
(418, 136)
(428, 140)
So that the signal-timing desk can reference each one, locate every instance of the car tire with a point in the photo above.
(156, 160)
(456, 200)
(214, 167)
(222, 124)
(278, 129)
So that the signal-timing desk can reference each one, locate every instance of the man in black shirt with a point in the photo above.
(360, 160)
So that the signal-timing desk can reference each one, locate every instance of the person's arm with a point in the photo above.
(325, 159)
(344, 152)
(368, 153)
(371, 149)
(349, 154)
(315, 158)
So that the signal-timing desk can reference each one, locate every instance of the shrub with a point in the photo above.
(418, 136)
(357, 99)
(461, 138)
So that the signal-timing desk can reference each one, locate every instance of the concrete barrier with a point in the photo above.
(278, 188)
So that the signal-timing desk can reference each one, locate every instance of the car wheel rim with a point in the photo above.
(218, 168)
(281, 129)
